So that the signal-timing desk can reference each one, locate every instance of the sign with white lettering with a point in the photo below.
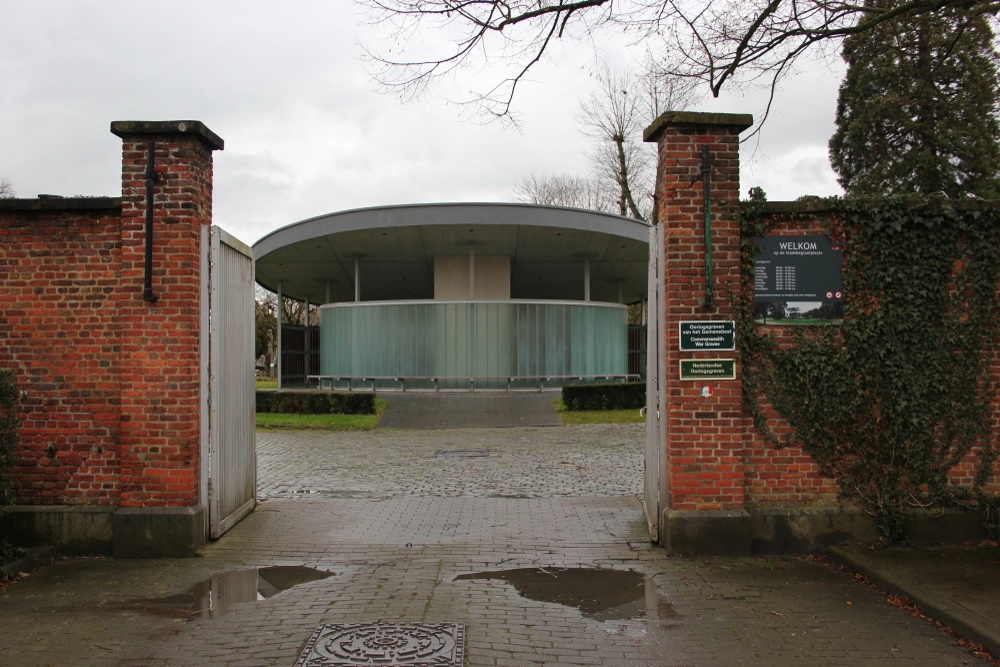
(707, 335)
(708, 369)
(798, 280)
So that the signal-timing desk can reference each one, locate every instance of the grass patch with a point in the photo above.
(573, 417)
(329, 422)
(267, 384)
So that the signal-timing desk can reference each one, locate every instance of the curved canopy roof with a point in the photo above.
(396, 247)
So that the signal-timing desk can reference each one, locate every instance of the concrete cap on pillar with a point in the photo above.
(740, 121)
(131, 128)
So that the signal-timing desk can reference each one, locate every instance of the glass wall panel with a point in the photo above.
(485, 343)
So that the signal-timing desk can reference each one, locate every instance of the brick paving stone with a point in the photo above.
(397, 553)
(572, 461)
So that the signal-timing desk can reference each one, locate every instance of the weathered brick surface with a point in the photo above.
(716, 460)
(789, 477)
(786, 477)
(706, 435)
(110, 381)
(160, 340)
(59, 274)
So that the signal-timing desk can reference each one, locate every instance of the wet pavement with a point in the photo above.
(537, 548)
(571, 461)
(432, 410)
(953, 584)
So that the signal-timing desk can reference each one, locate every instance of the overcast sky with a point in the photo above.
(306, 133)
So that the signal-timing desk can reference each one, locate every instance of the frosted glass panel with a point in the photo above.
(490, 341)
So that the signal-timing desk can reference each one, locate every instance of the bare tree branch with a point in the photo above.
(614, 116)
(592, 194)
(719, 42)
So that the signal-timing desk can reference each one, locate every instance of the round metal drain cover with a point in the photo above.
(348, 645)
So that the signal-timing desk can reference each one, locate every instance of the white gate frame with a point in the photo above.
(228, 484)
(655, 479)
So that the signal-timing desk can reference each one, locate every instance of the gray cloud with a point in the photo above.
(305, 131)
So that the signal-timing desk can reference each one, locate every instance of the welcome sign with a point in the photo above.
(798, 280)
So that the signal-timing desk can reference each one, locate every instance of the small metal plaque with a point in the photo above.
(405, 645)
(698, 335)
(708, 369)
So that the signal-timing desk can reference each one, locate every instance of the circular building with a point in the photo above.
(457, 296)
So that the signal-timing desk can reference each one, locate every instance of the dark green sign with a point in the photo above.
(798, 280)
(708, 369)
(707, 335)
(797, 268)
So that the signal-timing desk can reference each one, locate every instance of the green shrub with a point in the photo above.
(8, 433)
(622, 396)
(315, 402)
(8, 438)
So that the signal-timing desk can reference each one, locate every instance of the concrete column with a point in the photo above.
(280, 316)
(306, 341)
(357, 279)
(472, 272)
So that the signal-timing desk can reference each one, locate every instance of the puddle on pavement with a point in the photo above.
(602, 595)
(216, 595)
(461, 453)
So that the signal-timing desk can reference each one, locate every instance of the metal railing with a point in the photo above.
(398, 383)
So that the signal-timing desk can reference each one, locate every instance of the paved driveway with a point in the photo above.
(572, 461)
(453, 526)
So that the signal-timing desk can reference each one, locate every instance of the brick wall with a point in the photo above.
(110, 380)
(786, 477)
(715, 459)
(59, 281)
(789, 477)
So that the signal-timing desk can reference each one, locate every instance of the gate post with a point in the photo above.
(704, 457)
(167, 164)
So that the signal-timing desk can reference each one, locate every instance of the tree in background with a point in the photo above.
(917, 109)
(614, 116)
(266, 322)
(592, 194)
(266, 329)
(6, 188)
(720, 42)
(265, 307)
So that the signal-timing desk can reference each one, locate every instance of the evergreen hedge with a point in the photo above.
(315, 402)
(621, 396)
(8, 433)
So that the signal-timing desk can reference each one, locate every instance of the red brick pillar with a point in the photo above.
(159, 316)
(705, 422)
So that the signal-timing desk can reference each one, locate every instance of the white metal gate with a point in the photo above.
(655, 479)
(228, 445)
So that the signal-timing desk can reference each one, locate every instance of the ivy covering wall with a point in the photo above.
(896, 405)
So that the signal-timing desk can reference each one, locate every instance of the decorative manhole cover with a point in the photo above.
(413, 644)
